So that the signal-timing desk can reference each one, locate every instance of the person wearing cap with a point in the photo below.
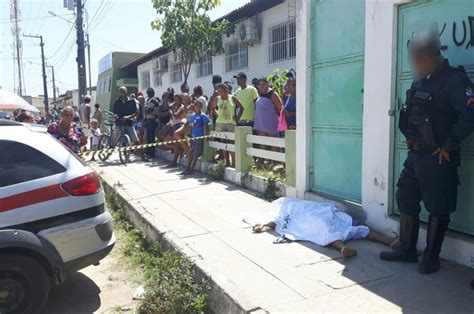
(434, 122)
(247, 95)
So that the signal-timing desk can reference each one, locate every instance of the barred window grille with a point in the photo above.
(99, 86)
(157, 75)
(108, 81)
(144, 80)
(176, 72)
(205, 67)
(282, 41)
(236, 56)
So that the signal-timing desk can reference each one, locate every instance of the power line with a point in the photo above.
(102, 41)
(4, 20)
(106, 11)
(95, 13)
(64, 41)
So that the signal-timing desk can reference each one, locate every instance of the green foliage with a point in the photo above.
(271, 190)
(168, 277)
(187, 30)
(217, 172)
(268, 173)
(278, 80)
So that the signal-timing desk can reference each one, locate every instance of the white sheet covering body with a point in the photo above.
(320, 223)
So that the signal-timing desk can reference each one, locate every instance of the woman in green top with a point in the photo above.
(225, 107)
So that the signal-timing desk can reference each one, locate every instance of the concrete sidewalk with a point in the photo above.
(249, 273)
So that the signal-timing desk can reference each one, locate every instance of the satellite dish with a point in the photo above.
(242, 32)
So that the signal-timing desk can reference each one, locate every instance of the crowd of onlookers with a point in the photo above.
(177, 116)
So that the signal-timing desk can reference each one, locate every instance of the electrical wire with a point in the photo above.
(95, 14)
(64, 41)
(102, 41)
(104, 14)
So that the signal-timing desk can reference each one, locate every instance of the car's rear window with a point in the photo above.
(21, 163)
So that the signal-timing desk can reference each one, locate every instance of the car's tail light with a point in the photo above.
(84, 185)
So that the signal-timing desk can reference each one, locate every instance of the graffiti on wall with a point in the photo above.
(461, 35)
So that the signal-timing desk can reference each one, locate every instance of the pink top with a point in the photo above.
(71, 140)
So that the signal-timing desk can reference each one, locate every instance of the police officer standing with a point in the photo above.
(434, 121)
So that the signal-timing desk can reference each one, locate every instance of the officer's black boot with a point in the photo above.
(406, 251)
(437, 227)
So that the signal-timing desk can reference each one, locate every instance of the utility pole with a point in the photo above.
(89, 63)
(54, 83)
(43, 66)
(81, 59)
(16, 30)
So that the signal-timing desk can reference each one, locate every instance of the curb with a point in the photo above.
(224, 297)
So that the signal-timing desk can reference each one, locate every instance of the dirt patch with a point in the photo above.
(106, 288)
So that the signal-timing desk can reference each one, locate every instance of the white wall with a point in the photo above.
(258, 63)
(378, 126)
(303, 70)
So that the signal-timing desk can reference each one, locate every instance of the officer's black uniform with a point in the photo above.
(435, 116)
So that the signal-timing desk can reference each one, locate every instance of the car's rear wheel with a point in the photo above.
(104, 144)
(24, 284)
(124, 142)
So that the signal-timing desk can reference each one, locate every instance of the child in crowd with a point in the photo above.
(96, 133)
(199, 123)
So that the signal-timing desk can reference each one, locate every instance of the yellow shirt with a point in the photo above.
(247, 97)
(225, 111)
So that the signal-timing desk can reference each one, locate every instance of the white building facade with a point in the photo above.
(264, 41)
(386, 75)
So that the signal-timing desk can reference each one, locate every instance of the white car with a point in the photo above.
(52, 216)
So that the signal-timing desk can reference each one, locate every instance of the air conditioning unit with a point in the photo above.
(249, 31)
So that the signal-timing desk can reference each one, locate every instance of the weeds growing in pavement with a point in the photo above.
(271, 190)
(168, 277)
(267, 172)
(216, 172)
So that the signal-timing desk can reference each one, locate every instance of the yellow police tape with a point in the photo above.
(134, 147)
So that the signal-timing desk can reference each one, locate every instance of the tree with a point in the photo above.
(188, 31)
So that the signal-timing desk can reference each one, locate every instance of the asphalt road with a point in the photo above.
(106, 288)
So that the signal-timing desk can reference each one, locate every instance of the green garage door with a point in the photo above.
(455, 21)
(337, 81)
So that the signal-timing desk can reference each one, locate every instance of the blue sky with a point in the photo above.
(114, 25)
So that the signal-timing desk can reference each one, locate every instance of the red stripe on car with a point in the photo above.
(40, 195)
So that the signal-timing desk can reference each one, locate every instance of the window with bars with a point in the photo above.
(99, 86)
(157, 76)
(108, 81)
(176, 72)
(144, 80)
(103, 85)
(282, 42)
(205, 67)
(236, 56)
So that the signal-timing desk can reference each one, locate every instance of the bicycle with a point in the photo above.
(107, 141)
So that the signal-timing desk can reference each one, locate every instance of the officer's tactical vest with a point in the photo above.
(428, 115)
